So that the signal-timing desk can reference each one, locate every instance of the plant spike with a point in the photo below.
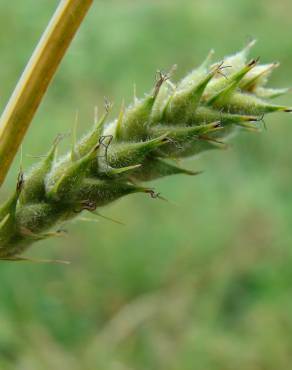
(35, 189)
(114, 158)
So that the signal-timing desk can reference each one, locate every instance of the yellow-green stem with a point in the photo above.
(36, 78)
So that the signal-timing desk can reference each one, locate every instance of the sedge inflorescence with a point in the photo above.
(115, 158)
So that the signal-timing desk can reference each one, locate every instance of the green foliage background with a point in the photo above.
(203, 282)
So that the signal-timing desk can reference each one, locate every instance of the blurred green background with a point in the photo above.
(203, 282)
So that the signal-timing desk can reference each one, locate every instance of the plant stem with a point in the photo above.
(36, 78)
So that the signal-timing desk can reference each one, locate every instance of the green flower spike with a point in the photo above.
(144, 143)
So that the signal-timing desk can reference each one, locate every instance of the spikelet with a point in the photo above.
(111, 161)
